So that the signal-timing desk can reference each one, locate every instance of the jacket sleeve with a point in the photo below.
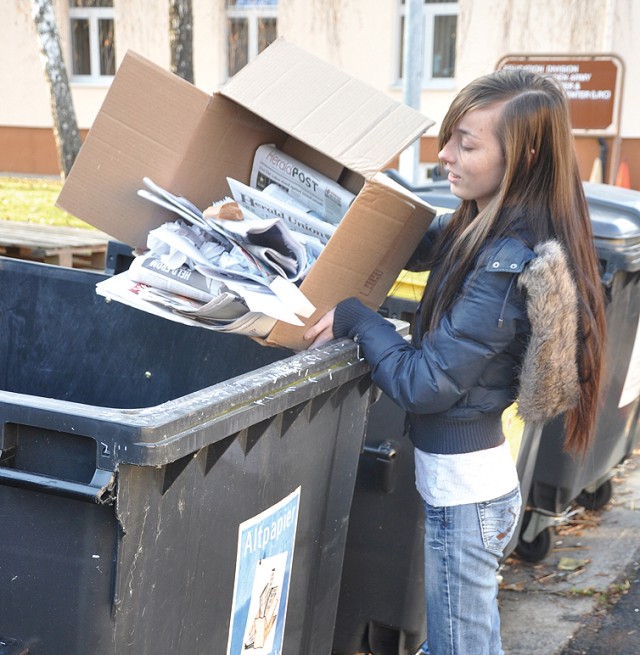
(435, 374)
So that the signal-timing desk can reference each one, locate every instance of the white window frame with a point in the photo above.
(432, 10)
(253, 14)
(92, 15)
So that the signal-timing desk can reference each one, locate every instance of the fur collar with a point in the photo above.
(549, 382)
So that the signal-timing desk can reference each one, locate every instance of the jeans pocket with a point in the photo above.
(498, 521)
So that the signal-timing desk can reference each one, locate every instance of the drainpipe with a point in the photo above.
(412, 64)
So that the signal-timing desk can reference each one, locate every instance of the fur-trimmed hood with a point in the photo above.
(549, 383)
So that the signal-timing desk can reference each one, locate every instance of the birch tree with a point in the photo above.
(181, 38)
(65, 125)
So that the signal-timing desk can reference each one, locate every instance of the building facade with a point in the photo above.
(461, 40)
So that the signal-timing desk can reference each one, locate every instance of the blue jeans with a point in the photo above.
(463, 548)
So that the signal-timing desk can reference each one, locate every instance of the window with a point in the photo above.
(440, 28)
(251, 27)
(93, 54)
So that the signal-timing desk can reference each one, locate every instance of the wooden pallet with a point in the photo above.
(74, 247)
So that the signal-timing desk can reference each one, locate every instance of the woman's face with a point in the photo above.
(473, 157)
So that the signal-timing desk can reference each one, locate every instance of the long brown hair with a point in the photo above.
(542, 190)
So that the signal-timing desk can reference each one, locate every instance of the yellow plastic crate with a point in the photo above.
(409, 285)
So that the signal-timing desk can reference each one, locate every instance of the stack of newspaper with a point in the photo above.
(235, 267)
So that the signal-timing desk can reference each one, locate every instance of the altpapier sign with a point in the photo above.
(262, 579)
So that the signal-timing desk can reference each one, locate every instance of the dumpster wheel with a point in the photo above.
(597, 499)
(539, 548)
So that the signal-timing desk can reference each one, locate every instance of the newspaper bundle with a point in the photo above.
(273, 202)
(326, 198)
(237, 275)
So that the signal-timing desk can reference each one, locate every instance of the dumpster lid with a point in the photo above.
(614, 211)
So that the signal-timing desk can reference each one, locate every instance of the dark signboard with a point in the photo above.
(592, 84)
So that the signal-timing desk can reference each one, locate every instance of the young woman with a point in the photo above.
(513, 310)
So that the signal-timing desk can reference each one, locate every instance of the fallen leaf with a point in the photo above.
(571, 564)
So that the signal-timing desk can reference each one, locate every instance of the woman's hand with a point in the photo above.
(322, 331)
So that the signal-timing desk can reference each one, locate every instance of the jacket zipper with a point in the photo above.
(504, 302)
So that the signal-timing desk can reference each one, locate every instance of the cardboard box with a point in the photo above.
(155, 124)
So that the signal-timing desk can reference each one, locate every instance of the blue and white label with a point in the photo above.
(262, 580)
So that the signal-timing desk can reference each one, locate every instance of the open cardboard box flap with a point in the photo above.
(349, 121)
(154, 124)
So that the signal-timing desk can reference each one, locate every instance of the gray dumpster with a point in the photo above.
(560, 478)
(164, 488)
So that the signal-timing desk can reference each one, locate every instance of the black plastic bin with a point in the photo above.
(158, 481)
(559, 479)
(382, 607)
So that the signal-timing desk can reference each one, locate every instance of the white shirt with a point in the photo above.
(447, 480)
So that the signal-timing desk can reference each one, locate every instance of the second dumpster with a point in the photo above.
(560, 478)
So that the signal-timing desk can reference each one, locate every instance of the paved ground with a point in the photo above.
(586, 591)
(616, 630)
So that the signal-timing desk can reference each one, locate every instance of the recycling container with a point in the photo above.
(165, 488)
(381, 608)
(559, 478)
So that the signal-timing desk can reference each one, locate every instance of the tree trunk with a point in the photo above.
(181, 38)
(65, 125)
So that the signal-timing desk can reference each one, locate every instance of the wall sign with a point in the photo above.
(593, 85)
